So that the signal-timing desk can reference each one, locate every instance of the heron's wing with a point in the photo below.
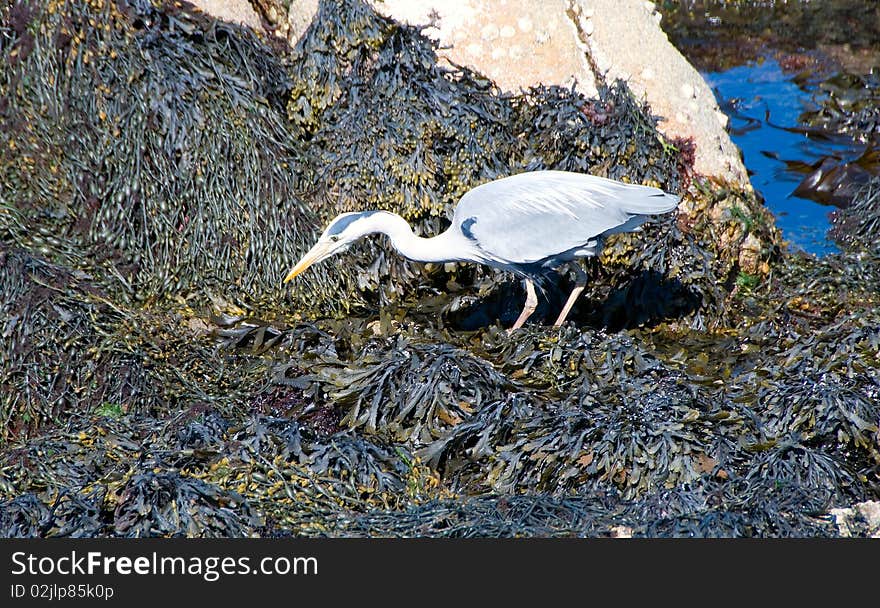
(529, 217)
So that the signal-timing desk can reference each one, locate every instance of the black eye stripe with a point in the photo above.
(343, 223)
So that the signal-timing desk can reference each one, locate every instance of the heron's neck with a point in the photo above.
(435, 249)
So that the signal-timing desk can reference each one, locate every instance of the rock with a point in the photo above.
(546, 44)
(299, 17)
(625, 40)
(751, 255)
(862, 520)
(237, 11)
(571, 43)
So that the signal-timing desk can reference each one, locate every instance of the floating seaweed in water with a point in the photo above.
(718, 34)
(847, 104)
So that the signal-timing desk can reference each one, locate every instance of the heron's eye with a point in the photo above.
(334, 238)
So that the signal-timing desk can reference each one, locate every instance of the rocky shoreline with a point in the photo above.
(159, 174)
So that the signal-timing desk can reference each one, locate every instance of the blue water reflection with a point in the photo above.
(765, 99)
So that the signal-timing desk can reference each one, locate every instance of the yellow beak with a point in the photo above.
(315, 254)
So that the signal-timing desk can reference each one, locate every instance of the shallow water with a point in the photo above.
(762, 101)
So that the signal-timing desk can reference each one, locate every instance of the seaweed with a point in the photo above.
(157, 146)
(59, 353)
(153, 504)
(410, 392)
(857, 226)
(846, 103)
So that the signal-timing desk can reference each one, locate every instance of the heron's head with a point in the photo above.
(339, 235)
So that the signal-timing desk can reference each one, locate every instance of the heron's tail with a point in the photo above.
(649, 201)
(653, 201)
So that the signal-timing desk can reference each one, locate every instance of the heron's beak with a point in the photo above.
(321, 250)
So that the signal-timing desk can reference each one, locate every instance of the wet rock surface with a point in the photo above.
(158, 381)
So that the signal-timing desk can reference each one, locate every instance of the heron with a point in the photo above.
(527, 223)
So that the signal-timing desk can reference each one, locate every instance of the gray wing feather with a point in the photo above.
(528, 217)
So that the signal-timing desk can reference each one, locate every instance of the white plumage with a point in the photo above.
(544, 217)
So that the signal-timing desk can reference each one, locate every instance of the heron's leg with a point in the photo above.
(530, 306)
(580, 282)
